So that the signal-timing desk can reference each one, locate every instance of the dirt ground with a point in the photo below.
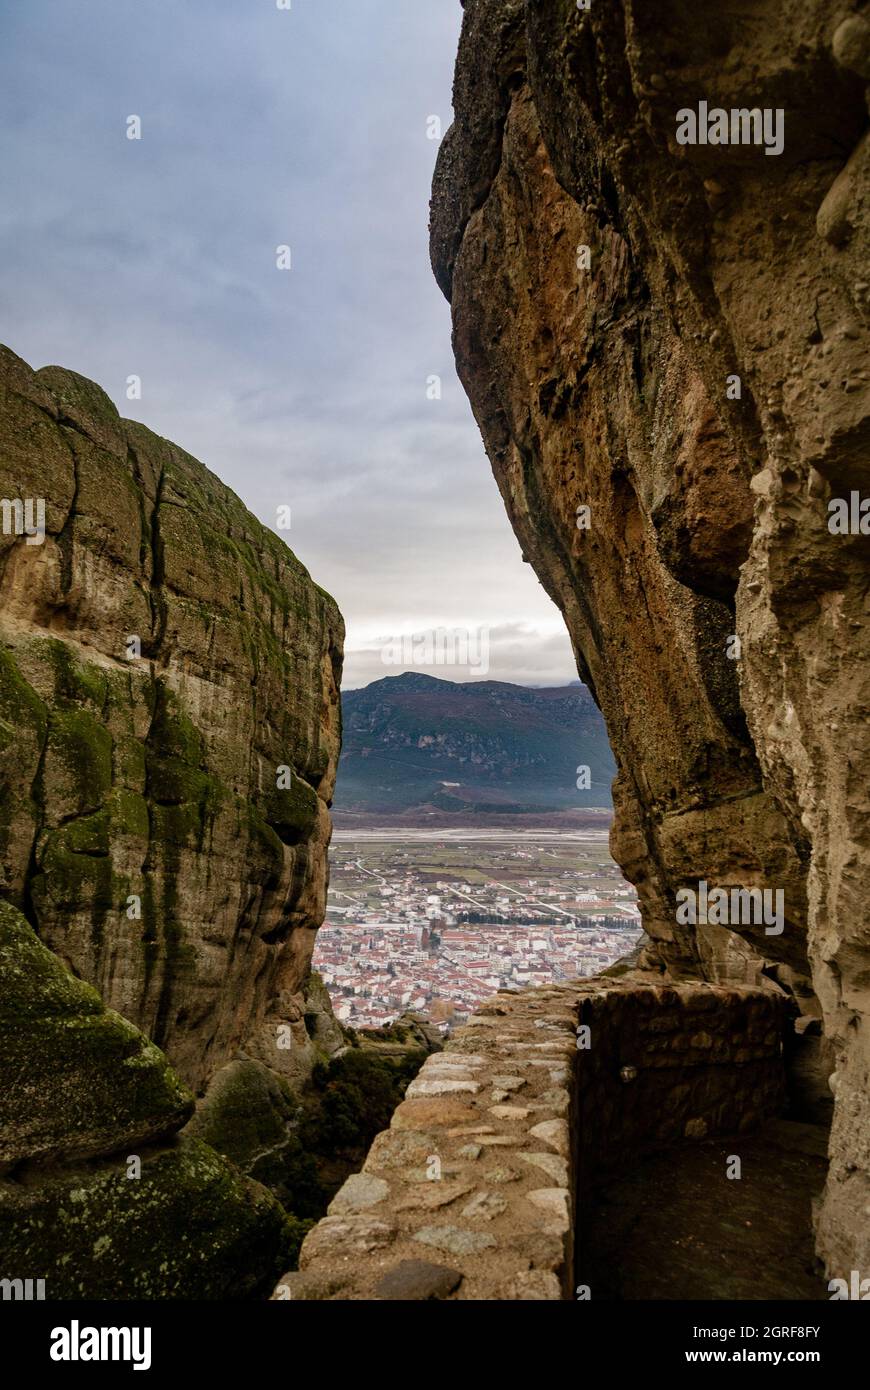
(676, 1227)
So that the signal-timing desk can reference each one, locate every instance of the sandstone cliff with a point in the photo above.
(675, 336)
(155, 778)
(169, 731)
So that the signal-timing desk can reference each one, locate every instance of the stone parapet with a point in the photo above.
(472, 1191)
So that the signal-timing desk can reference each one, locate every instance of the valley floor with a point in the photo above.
(436, 921)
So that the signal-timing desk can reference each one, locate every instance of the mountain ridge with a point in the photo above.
(416, 741)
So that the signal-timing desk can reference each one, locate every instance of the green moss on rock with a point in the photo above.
(78, 1079)
(265, 848)
(73, 877)
(246, 1111)
(75, 681)
(291, 811)
(19, 703)
(128, 813)
(191, 1227)
(185, 796)
(82, 747)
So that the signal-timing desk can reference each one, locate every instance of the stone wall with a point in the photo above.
(471, 1192)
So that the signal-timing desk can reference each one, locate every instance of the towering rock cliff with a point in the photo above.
(675, 337)
(169, 730)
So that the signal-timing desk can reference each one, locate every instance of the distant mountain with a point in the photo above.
(486, 747)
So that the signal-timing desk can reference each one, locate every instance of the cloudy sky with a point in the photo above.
(305, 388)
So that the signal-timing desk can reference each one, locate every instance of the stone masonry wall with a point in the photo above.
(470, 1194)
(679, 1043)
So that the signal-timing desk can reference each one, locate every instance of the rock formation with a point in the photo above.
(674, 336)
(169, 730)
(89, 1159)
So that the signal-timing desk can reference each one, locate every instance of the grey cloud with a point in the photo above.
(515, 652)
(157, 257)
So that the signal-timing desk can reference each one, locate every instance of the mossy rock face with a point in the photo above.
(79, 1080)
(78, 759)
(162, 654)
(185, 797)
(290, 811)
(76, 681)
(246, 1112)
(23, 725)
(190, 1227)
(87, 406)
(19, 704)
(321, 1025)
(252, 1116)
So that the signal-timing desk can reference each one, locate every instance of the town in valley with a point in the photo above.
(434, 922)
